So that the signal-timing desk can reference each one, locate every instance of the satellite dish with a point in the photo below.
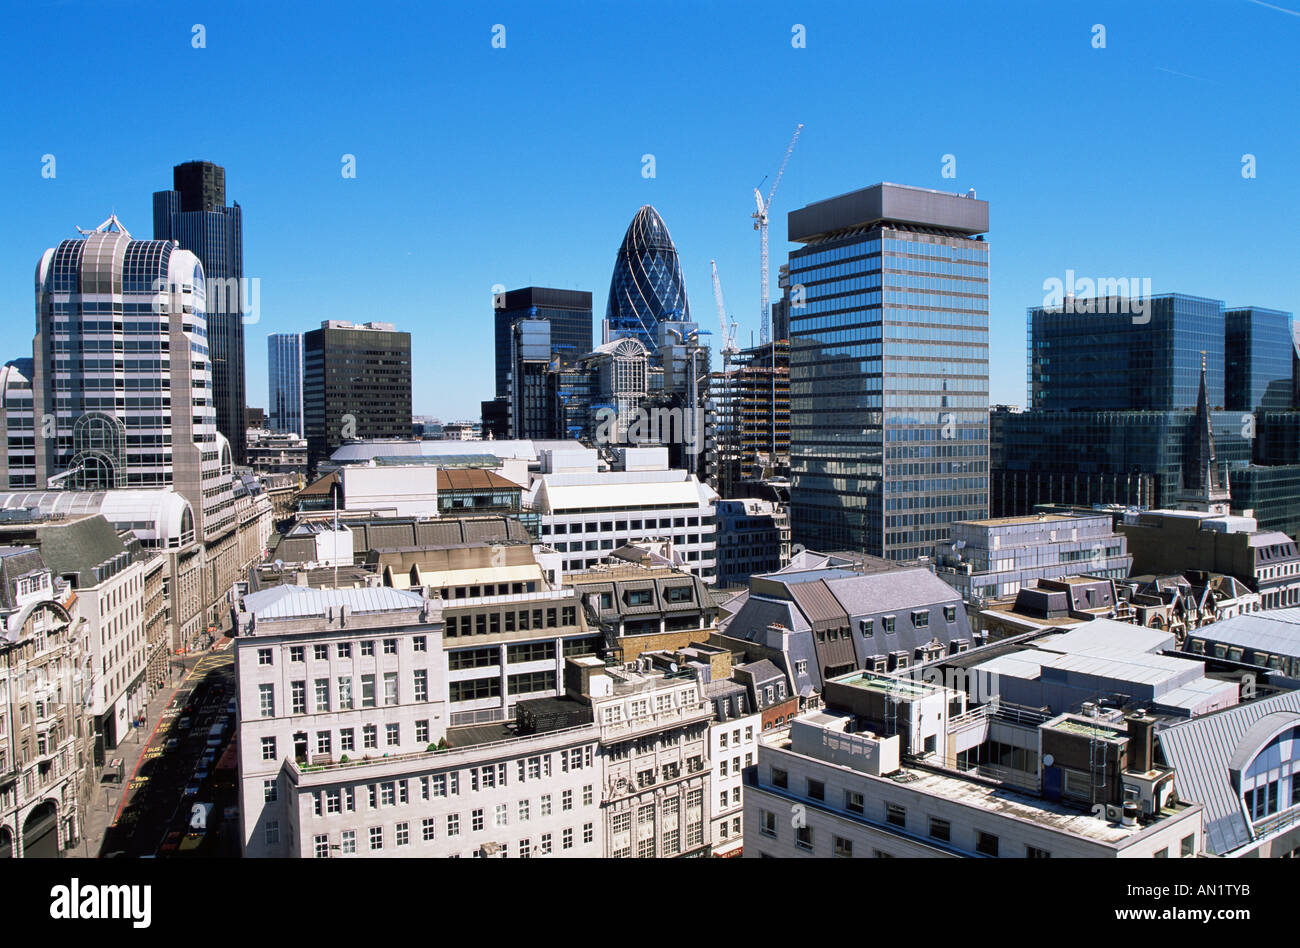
(672, 667)
(1048, 760)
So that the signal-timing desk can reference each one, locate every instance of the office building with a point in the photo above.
(888, 369)
(753, 537)
(646, 288)
(1257, 359)
(195, 214)
(144, 421)
(271, 452)
(987, 559)
(530, 415)
(356, 384)
(570, 318)
(284, 382)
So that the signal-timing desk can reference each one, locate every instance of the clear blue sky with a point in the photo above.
(522, 165)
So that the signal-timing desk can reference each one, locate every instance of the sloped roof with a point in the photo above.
(1276, 631)
(892, 590)
(294, 602)
(473, 479)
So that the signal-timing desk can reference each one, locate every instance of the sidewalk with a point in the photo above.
(97, 817)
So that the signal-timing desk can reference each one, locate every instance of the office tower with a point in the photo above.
(356, 383)
(569, 312)
(1257, 354)
(646, 287)
(1121, 354)
(888, 369)
(753, 400)
(194, 213)
(121, 372)
(530, 360)
(284, 381)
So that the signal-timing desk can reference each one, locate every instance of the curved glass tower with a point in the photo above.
(646, 288)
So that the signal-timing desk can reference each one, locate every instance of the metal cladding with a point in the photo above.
(647, 287)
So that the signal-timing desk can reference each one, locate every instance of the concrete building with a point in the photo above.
(989, 559)
(271, 452)
(753, 537)
(879, 772)
(1267, 641)
(43, 783)
(1173, 541)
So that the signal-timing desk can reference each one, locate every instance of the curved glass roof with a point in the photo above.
(646, 287)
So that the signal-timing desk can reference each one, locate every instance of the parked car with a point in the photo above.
(192, 788)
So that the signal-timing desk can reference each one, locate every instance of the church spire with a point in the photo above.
(1203, 486)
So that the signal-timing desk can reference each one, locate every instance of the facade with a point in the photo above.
(733, 748)
(567, 311)
(753, 415)
(356, 384)
(1167, 541)
(1257, 359)
(586, 513)
(646, 288)
(987, 559)
(888, 369)
(530, 361)
(195, 214)
(150, 422)
(284, 382)
(879, 773)
(18, 462)
(271, 452)
(1270, 641)
(43, 765)
(753, 537)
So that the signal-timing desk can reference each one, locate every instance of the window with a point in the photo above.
(426, 828)
(887, 623)
(349, 842)
(296, 653)
(546, 844)
(367, 691)
(390, 688)
(780, 778)
(321, 847)
(376, 837)
(299, 693)
(347, 740)
(525, 845)
(265, 656)
(546, 804)
(268, 748)
(1033, 852)
(841, 847)
(344, 649)
(801, 667)
(453, 824)
(940, 829)
(566, 839)
(367, 649)
(1188, 845)
(476, 821)
(269, 794)
(722, 740)
(345, 693)
(403, 834)
(803, 837)
(322, 694)
(950, 613)
(333, 801)
(588, 794)
(266, 700)
(390, 646)
(500, 816)
(1161, 853)
(895, 815)
(421, 685)
(421, 732)
(369, 736)
(816, 790)
(272, 835)
(523, 811)
(920, 619)
(323, 743)
(321, 652)
(986, 843)
(392, 734)
(420, 644)
(566, 800)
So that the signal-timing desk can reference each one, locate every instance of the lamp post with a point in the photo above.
(691, 342)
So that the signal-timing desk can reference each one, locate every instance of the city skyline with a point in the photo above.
(1065, 198)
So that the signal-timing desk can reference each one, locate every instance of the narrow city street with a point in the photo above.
(170, 769)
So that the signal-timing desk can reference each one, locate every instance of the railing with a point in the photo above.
(1276, 822)
(484, 716)
(618, 730)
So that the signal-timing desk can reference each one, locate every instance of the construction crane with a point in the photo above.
(760, 225)
(728, 350)
(728, 334)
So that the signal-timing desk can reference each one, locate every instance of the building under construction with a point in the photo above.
(753, 400)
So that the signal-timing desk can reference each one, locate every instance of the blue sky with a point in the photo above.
(478, 166)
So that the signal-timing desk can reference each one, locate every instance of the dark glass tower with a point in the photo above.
(888, 369)
(1258, 353)
(195, 214)
(356, 383)
(569, 312)
(646, 288)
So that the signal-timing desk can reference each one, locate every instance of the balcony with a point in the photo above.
(656, 721)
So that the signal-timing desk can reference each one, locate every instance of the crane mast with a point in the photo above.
(760, 225)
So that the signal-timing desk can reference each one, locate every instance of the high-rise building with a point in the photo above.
(888, 369)
(1257, 355)
(194, 213)
(284, 381)
(356, 384)
(121, 374)
(530, 360)
(646, 287)
(569, 313)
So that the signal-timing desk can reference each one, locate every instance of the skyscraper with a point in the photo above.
(569, 312)
(284, 381)
(121, 372)
(1258, 352)
(646, 287)
(356, 383)
(194, 213)
(888, 369)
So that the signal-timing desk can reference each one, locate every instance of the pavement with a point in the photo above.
(150, 796)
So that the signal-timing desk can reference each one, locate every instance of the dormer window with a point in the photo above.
(887, 623)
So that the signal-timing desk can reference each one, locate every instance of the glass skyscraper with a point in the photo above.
(284, 382)
(569, 312)
(646, 288)
(195, 214)
(888, 369)
(1258, 353)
